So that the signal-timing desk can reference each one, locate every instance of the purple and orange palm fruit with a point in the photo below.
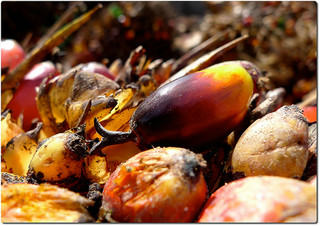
(198, 108)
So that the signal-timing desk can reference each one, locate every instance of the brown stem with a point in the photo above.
(309, 99)
(110, 137)
(206, 60)
(209, 43)
(274, 99)
(129, 68)
(33, 134)
(62, 20)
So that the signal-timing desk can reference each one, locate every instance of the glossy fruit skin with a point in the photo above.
(157, 185)
(97, 68)
(23, 100)
(198, 108)
(262, 199)
(11, 54)
(310, 112)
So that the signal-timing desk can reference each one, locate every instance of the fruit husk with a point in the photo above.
(279, 147)
(42, 203)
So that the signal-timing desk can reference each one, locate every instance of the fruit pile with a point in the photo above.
(183, 140)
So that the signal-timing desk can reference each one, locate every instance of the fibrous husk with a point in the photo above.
(42, 203)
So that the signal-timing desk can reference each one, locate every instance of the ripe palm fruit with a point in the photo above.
(59, 159)
(158, 185)
(276, 144)
(262, 199)
(11, 54)
(42, 203)
(197, 108)
(310, 112)
(193, 110)
(26, 104)
(20, 150)
(96, 67)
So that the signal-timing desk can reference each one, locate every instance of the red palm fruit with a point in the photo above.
(158, 185)
(23, 100)
(11, 54)
(262, 199)
(97, 68)
(310, 112)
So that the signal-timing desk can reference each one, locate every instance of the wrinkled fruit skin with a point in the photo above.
(11, 54)
(158, 185)
(58, 159)
(198, 108)
(24, 99)
(262, 199)
(276, 144)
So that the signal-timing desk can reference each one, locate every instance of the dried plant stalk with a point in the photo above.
(38, 53)
(206, 60)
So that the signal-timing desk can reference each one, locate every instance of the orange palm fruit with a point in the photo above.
(310, 112)
(158, 185)
(262, 199)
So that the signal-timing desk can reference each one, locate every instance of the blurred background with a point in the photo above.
(282, 35)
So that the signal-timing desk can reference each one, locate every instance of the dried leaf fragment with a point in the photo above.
(9, 129)
(20, 150)
(64, 101)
